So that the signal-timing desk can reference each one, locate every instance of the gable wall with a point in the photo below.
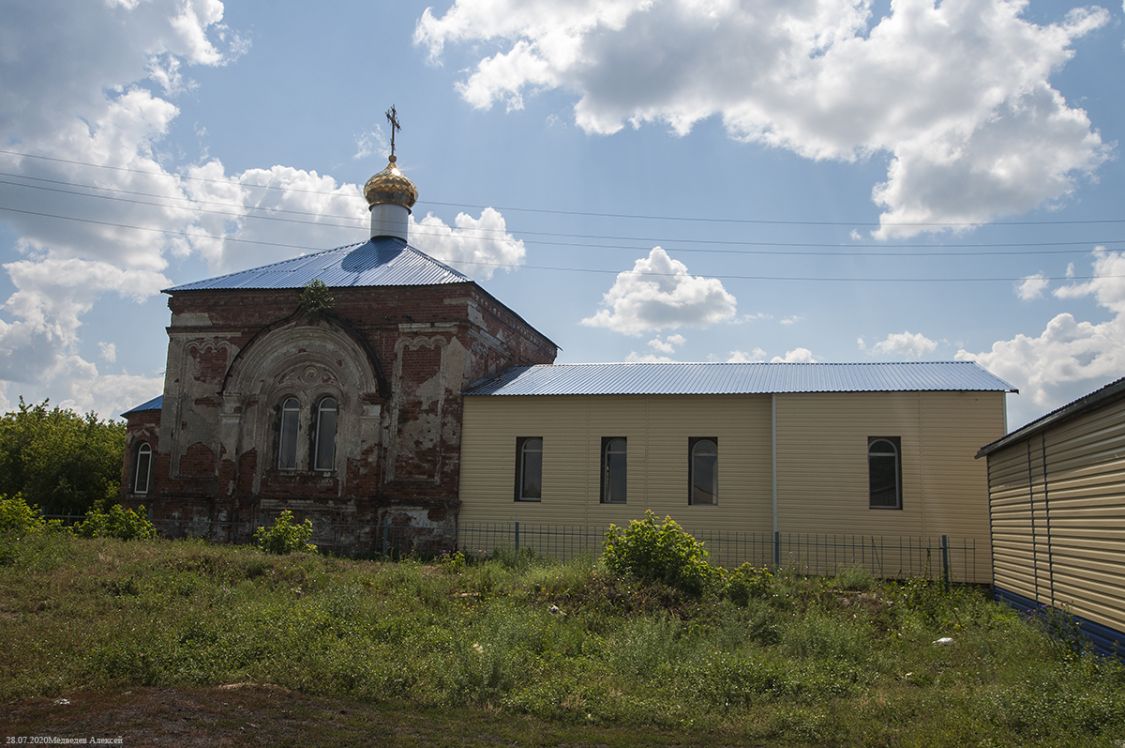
(399, 438)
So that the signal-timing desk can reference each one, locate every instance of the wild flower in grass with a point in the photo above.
(478, 648)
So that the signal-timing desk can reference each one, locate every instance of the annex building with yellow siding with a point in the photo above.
(1057, 505)
(757, 458)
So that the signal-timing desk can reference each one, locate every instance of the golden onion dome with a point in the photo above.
(390, 186)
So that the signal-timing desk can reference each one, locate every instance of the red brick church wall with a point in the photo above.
(428, 343)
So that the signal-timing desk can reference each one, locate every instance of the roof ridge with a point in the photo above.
(263, 267)
(437, 262)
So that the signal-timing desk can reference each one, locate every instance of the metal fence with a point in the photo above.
(889, 557)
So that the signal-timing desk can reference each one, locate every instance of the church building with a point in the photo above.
(381, 393)
(329, 384)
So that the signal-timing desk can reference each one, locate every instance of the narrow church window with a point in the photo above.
(884, 471)
(703, 481)
(143, 468)
(325, 434)
(529, 468)
(287, 438)
(613, 469)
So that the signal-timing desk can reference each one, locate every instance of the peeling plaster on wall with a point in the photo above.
(221, 426)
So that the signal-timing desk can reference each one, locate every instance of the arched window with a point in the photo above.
(529, 468)
(287, 436)
(142, 468)
(884, 471)
(324, 454)
(703, 481)
(614, 455)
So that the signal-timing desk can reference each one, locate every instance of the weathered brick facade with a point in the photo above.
(395, 358)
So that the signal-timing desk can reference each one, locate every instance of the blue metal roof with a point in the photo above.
(739, 379)
(382, 261)
(156, 403)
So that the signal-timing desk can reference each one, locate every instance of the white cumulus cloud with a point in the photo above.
(795, 356)
(957, 93)
(667, 344)
(476, 246)
(1070, 357)
(902, 344)
(743, 357)
(1032, 287)
(660, 294)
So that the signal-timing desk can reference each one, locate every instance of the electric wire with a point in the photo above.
(420, 230)
(828, 279)
(556, 211)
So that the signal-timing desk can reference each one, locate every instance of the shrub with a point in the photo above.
(453, 562)
(856, 579)
(116, 522)
(748, 581)
(285, 535)
(18, 518)
(660, 551)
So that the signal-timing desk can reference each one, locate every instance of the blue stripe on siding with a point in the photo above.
(1106, 641)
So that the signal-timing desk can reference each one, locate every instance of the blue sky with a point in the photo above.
(862, 150)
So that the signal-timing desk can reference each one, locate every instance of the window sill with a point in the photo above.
(529, 501)
(886, 508)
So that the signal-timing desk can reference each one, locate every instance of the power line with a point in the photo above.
(595, 214)
(420, 231)
(600, 270)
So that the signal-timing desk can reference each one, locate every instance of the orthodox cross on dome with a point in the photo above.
(392, 117)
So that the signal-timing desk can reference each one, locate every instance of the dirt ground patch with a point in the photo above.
(247, 714)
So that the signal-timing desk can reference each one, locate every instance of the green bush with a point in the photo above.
(18, 518)
(64, 460)
(856, 579)
(116, 522)
(285, 535)
(660, 551)
(748, 581)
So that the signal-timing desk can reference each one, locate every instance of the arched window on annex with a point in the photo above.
(884, 472)
(142, 467)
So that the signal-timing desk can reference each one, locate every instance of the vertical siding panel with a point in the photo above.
(1081, 494)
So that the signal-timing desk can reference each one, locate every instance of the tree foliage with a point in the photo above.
(58, 459)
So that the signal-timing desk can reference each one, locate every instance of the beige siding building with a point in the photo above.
(827, 456)
(1057, 503)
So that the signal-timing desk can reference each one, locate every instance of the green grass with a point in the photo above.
(838, 661)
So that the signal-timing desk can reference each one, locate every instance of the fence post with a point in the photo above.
(776, 549)
(945, 560)
(517, 538)
(386, 538)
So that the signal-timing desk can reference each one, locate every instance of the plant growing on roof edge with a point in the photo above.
(315, 299)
